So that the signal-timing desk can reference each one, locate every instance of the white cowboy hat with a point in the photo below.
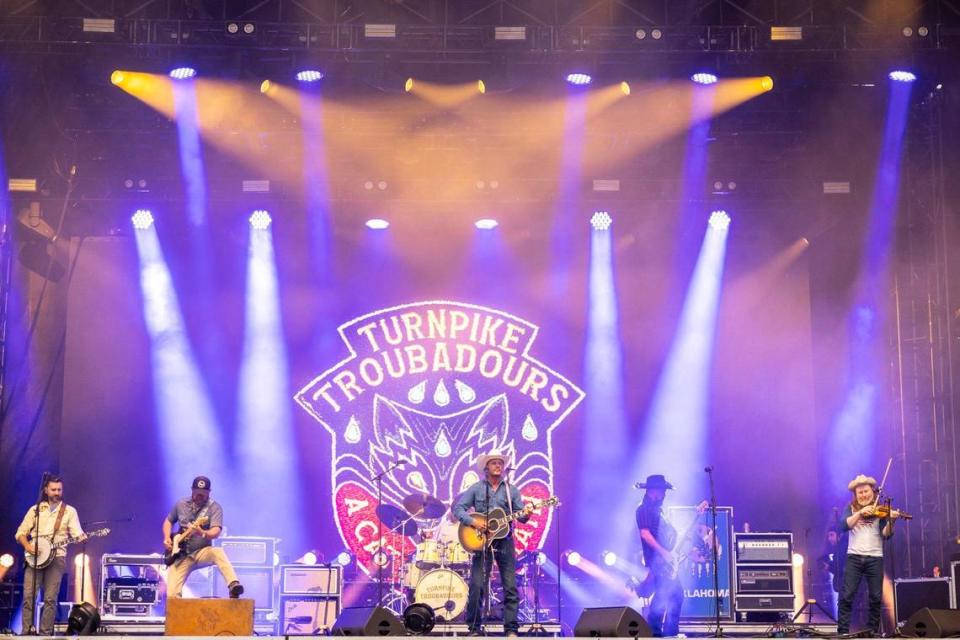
(487, 457)
(861, 479)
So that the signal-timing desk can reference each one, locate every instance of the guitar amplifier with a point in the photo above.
(308, 615)
(771, 579)
(766, 548)
(247, 550)
(257, 585)
(317, 580)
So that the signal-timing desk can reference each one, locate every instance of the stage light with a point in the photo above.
(344, 558)
(260, 220)
(6, 560)
(183, 73)
(609, 558)
(377, 223)
(601, 220)
(625, 88)
(310, 557)
(84, 620)
(766, 83)
(640, 34)
(704, 78)
(142, 219)
(233, 27)
(902, 76)
(408, 85)
(657, 34)
(797, 560)
(309, 75)
(249, 28)
(579, 79)
(573, 558)
(907, 32)
(923, 32)
(419, 618)
(276, 559)
(117, 77)
(486, 223)
(719, 220)
(542, 558)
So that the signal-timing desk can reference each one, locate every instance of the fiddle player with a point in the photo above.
(864, 561)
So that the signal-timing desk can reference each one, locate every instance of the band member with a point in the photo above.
(658, 537)
(58, 521)
(830, 564)
(199, 552)
(864, 552)
(491, 493)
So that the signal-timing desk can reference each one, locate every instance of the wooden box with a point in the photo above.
(209, 617)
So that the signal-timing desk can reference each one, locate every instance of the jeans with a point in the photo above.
(506, 558)
(49, 580)
(856, 568)
(664, 610)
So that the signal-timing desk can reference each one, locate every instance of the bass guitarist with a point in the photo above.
(491, 493)
(658, 537)
(201, 521)
(58, 521)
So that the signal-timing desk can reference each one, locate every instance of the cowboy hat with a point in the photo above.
(861, 479)
(655, 481)
(487, 457)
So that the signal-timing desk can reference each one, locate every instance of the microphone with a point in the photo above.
(708, 469)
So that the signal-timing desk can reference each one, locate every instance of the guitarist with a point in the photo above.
(492, 492)
(658, 537)
(58, 521)
(197, 548)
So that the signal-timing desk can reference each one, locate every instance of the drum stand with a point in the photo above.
(395, 599)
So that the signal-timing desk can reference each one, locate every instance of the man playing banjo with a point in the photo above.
(58, 521)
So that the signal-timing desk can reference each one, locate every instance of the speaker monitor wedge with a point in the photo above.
(367, 621)
(611, 622)
(933, 623)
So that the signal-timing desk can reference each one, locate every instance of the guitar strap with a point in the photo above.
(56, 525)
(506, 484)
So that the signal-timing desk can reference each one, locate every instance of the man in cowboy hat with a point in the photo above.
(491, 493)
(658, 537)
(864, 552)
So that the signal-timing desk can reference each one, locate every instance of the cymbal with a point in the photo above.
(396, 520)
(421, 504)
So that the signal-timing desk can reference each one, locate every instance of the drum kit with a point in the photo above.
(436, 571)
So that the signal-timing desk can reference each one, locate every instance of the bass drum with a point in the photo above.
(445, 592)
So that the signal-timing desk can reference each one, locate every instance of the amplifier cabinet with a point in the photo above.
(317, 580)
(746, 602)
(912, 594)
(130, 584)
(131, 591)
(258, 585)
(308, 615)
(765, 579)
(248, 550)
(764, 548)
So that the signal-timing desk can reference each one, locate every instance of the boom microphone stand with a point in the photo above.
(36, 538)
(379, 555)
(718, 633)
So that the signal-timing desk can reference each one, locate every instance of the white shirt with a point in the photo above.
(865, 538)
(69, 527)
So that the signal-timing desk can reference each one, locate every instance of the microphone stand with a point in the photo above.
(379, 480)
(718, 633)
(36, 539)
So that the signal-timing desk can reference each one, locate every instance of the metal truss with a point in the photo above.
(926, 422)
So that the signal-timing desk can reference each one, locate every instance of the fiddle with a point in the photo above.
(885, 511)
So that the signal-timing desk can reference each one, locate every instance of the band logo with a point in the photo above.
(434, 384)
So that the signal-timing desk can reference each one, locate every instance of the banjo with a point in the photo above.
(46, 550)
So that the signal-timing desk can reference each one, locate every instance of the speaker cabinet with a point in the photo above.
(209, 617)
(932, 623)
(367, 621)
(611, 622)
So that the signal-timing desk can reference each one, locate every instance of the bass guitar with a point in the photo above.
(680, 552)
(178, 549)
(497, 523)
(46, 550)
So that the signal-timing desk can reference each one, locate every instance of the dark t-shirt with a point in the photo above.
(649, 516)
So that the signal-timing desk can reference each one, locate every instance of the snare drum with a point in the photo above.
(429, 554)
(445, 591)
(456, 556)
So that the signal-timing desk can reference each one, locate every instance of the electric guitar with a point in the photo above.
(178, 549)
(46, 550)
(497, 523)
(680, 552)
